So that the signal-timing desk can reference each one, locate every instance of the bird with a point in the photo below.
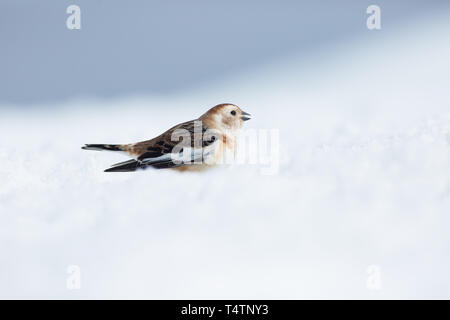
(189, 146)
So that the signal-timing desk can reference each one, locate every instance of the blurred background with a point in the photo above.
(358, 208)
(167, 47)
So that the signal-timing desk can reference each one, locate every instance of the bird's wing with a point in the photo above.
(183, 144)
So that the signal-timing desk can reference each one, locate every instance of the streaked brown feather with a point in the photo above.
(145, 151)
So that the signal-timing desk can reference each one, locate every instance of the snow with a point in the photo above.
(363, 180)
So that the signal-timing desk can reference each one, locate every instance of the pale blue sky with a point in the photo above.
(163, 47)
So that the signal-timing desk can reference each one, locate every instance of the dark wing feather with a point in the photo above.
(131, 165)
(157, 152)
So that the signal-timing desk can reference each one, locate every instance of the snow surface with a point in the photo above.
(364, 179)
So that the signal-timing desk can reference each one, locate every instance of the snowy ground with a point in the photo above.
(364, 179)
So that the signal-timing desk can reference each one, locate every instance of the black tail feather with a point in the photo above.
(101, 147)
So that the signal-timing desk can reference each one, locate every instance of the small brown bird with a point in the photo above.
(203, 143)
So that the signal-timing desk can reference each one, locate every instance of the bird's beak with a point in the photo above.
(244, 114)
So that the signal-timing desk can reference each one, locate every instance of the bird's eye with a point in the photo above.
(233, 113)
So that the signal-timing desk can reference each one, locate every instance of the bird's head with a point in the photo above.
(227, 116)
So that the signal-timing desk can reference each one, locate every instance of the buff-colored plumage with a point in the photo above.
(212, 133)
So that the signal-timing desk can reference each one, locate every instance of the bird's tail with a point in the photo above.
(102, 147)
